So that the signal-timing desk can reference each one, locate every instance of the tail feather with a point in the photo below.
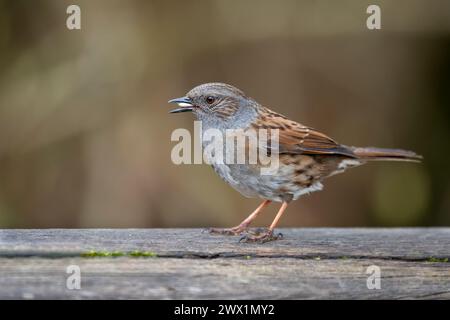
(371, 153)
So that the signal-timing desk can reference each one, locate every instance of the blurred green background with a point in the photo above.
(85, 133)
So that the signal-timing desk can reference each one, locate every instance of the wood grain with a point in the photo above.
(306, 264)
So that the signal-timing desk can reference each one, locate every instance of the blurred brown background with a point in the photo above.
(85, 133)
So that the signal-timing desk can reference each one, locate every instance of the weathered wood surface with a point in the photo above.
(306, 264)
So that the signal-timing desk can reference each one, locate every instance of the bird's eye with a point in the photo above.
(210, 100)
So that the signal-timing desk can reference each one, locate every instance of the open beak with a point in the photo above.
(184, 103)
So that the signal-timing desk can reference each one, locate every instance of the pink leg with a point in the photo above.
(243, 225)
(268, 234)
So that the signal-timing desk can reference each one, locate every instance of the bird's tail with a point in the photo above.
(371, 153)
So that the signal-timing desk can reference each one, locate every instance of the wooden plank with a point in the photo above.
(307, 263)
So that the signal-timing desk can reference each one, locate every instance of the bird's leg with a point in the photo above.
(268, 234)
(243, 225)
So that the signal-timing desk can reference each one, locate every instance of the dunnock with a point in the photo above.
(306, 156)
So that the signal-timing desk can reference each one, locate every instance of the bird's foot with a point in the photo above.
(235, 231)
(261, 236)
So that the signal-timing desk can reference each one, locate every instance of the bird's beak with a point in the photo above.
(184, 103)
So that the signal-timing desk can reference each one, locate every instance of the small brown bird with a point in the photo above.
(306, 156)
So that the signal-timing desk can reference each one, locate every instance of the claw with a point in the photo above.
(227, 231)
(242, 238)
(258, 231)
(262, 238)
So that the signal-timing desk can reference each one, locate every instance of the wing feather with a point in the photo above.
(295, 138)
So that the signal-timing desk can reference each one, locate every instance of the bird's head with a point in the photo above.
(217, 101)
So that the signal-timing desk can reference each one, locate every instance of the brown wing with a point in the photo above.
(295, 138)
